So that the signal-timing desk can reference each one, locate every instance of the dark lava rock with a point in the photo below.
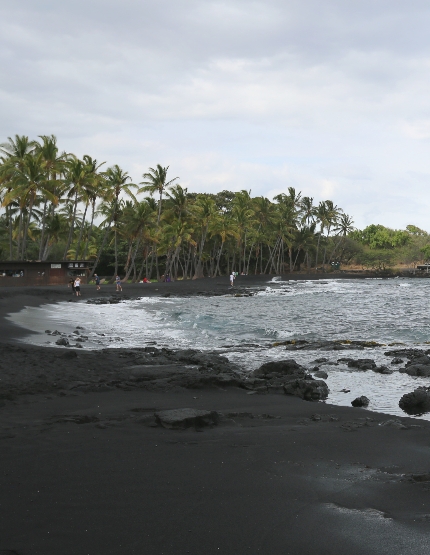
(362, 401)
(168, 375)
(320, 360)
(416, 402)
(362, 364)
(281, 368)
(345, 360)
(417, 370)
(108, 300)
(383, 370)
(408, 353)
(307, 389)
(397, 360)
(423, 359)
(62, 341)
(69, 354)
(394, 423)
(186, 418)
(321, 374)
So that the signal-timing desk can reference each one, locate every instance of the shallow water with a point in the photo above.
(245, 328)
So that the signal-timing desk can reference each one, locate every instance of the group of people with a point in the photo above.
(75, 284)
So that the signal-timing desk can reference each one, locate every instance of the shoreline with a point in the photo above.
(87, 467)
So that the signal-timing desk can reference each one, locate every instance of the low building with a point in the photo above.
(17, 272)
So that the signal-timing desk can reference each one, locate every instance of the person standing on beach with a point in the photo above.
(72, 285)
(97, 280)
(232, 279)
(118, 283)
(78, 286)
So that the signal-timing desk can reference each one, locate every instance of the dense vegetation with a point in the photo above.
(58, 206)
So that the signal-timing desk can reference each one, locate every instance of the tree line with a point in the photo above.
(56, 205)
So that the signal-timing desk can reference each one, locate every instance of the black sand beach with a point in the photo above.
(91, 465)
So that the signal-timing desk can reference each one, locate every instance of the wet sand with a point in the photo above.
(85, 469)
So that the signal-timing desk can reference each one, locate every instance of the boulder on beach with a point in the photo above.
(186, 418)
(362, 401)
(286, 367)
(362, 364)
(417, 370)
(416, 402)
(307, 389)
(62, 341)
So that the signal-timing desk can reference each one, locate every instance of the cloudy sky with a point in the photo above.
(330, 97)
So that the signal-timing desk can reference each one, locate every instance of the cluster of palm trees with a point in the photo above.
(56, 205)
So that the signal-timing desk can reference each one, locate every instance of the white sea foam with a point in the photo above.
(244, 328)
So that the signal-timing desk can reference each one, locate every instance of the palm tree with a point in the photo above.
(156, 181)
(116, 182)
(204, 210)
(54, 165)
(29, 178)
(89, 195)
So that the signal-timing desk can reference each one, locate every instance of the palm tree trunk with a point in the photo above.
(26, 228)
(18, 242)
(72, 225)
(133, 258)
(81, 231)
(102, 246)
(9, 223)
(90, 231)
(42, 236)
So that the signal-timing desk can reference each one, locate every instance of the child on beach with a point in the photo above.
(78, 286)
(97, 280)
(232, 279)
(118, 283)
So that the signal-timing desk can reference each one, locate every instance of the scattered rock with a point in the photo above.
(320, 360)
(394, 423)
(186, 418)
(321, 374)
(62, 341)
(397, 360)
(383, 370)
(362, 401)
(362, 364)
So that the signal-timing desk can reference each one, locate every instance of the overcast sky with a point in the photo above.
(330, 97)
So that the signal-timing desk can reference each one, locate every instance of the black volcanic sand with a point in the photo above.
(88, 468)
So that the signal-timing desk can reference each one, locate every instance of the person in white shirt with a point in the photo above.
(78, 286)
(232, 279)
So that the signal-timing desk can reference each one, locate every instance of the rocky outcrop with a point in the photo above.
(362, 364)
(186, 418)
(362, 401)
(416, 402)
(286, 376)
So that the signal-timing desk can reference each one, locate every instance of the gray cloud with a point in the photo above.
(329, 97)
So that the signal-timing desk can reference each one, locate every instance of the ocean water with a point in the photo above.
(245, 329)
